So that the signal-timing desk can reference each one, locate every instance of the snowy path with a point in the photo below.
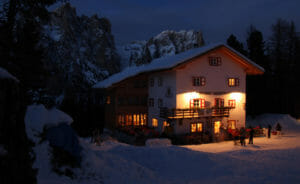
(274, 160)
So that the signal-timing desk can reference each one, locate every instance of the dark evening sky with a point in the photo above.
(217, 19)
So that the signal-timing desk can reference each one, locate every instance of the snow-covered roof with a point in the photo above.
(166, 63)
(4, 74)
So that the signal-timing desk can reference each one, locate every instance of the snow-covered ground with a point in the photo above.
(274, 160)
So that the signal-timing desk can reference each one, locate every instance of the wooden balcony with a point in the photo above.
(194, 112)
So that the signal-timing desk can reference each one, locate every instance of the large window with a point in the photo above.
(198, 103)
(214, 61)
(232, 82)
(217, 126)
(196, 127)
(199, 81)
(154, 122)
(132, 119)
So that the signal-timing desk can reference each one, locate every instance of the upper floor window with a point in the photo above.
(199, 81)
(151, 82)
(151, 102)
(231, 103)
(198, 103)
(169, 92)
(160, 81)
(214, 61)
(232, 82)
(154, 122)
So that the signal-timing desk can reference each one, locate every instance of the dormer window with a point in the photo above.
(199, 81)
(232, 82)
(214, 61)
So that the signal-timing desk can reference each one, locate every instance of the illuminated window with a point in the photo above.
(160, 102)
(214, 61)
(151, 102)
(121, 120)
(151, 82)
(198, 103)
(160, 81)
(217, 126)
(231, 103)
(196, 127)
(143, 119)
(199, 81)
(154, 122)
(108, 100)
(219, 102)
(231, 124)
(232, 82)
(136, 118)
(166, 124)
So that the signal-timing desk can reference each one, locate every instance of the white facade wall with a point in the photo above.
(160, 92)
(181, 84)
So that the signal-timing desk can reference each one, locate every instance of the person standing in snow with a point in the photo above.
(251, 135)
(243, 136)
(278, 129)
(269, 131)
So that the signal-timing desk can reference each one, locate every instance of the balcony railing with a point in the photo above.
(194, 112)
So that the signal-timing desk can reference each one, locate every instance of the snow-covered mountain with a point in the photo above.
(164, 44)
(80, 50)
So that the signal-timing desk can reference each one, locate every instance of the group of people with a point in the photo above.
(278, 130)
(243, 133)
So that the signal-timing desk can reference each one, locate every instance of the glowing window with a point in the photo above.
(154, 122)
(143, 119)
(198, 103)
(196, 127)
(166, 124)
(231, 103)
(108, 100)
(231, 124)
(136, 118)
(232, 82)
(217, 126)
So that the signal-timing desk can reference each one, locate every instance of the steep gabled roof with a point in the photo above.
(169, 62)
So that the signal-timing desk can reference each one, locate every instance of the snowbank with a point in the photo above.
(6, 75)
(288, 123)
(37, 117)
(158, 142)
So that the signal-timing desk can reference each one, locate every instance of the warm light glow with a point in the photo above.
(154, 122)
(236, 96)
(184, 99)
(217, 126)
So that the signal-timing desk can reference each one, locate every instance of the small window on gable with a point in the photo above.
(232, 82)
(214, 61)
(199, 81)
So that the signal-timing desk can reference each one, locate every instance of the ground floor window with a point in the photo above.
(132, 119)
(217, 125)
(154, 122)
(166, 124)
(196, 127)
(231, 124)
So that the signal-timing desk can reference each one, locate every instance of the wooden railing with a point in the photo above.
(194, 112)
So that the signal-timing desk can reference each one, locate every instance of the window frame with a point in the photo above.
(219, 102)
(151, 102)
(232, 103)
(214, 61)
(233, 81)
(199, 81)
(198, 127)
(201, 103)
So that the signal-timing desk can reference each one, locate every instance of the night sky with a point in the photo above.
(217, 19)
